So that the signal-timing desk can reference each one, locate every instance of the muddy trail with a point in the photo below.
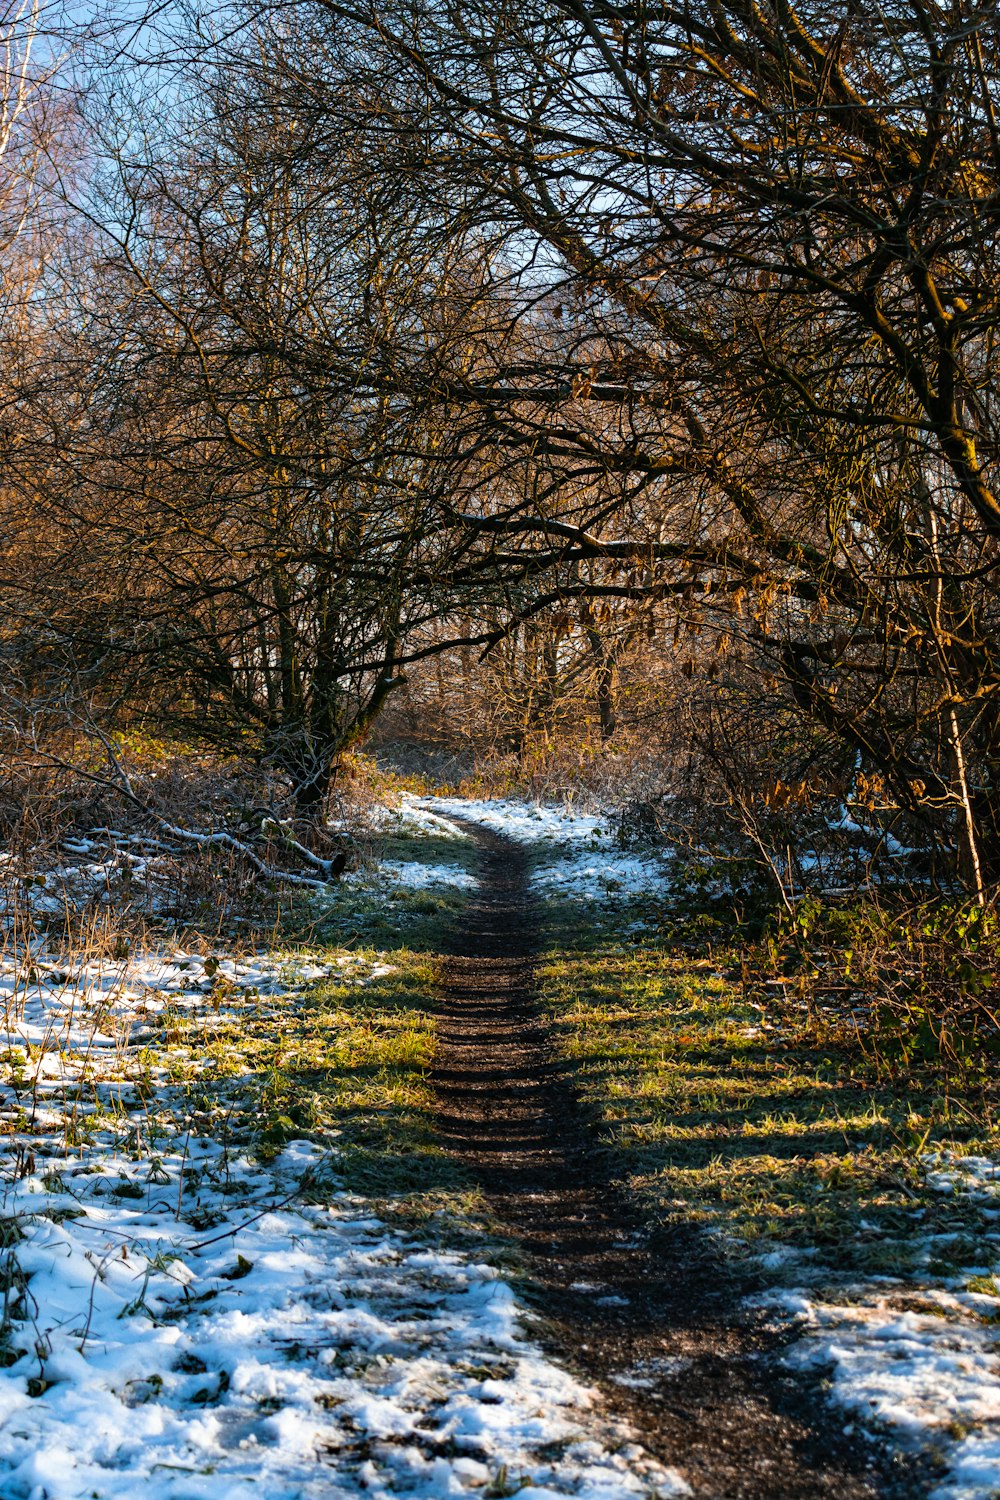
(653, 1321)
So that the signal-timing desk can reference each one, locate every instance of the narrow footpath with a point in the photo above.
(653, 1321)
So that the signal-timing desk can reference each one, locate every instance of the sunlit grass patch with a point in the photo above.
(339, 1062)
(755, 1116)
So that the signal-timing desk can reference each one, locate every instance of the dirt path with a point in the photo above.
(711, 1401)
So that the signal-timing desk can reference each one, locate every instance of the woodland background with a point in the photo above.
(592, 394)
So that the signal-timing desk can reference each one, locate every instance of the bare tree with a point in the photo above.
(241, 508)
(747, 264)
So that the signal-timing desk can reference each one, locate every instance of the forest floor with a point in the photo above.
(476, 1188)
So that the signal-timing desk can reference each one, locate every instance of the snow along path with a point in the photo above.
(919, 1356)
(927, 1372)
(282, 1349)
(576, 855)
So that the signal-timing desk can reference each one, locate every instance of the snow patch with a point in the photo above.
(70, 1019)
(411, 874)
(528, 822)
(932, 1377)
(292, 1351)
(922, 1360)
(610, 876)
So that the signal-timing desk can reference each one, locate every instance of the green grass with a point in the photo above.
(350, 1063)
(428, 849)
(391, 918)
(756, 1116)
(345, 1064)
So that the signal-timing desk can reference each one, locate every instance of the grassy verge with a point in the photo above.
(767, 1117)
(343, 1060)
(340, 1061)
(392, 918)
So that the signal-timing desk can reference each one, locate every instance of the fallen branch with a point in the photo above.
(118, 780)
(227, 841)
(331, 868)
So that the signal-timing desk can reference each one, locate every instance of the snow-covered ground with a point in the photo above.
(64, 1022)
(925, 1366)
(527, 821)
(107, 867)
(577, 856)
(182, 1321)
(196, 1326)
(919, 1356)
(414, 875)
(608, 876)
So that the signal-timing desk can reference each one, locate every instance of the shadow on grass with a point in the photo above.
(391, 916)
(797, 1137)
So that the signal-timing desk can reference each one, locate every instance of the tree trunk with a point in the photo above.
(604, 662)
(310, 789)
